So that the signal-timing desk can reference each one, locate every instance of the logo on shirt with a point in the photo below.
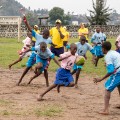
(69, 64)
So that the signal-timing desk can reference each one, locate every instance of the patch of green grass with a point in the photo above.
(50, 111)
(8, 52)
(5, 113)
(11, 113)
(5, 102)
(9, 48)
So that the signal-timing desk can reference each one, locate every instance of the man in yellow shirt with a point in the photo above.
(83, 31)
(66, 38)
(57, 34)
(37, 31)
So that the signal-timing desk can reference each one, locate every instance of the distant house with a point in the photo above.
(74, 22)
(43, 20)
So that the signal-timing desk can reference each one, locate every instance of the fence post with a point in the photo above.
(19, 28)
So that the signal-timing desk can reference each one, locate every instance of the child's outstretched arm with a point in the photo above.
(27, 24)
(56, 62)
(110, 69)
(27, 50)
(30, 49)
(90, 48)
(100, 79)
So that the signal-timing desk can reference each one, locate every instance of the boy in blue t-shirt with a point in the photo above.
(42, 55)
(82, 48)
(112, 60)
(32, 59)
(97, 40)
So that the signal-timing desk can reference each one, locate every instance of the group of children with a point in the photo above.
(41, 56)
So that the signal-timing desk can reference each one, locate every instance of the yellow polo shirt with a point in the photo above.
(38, 32)
(83, 30)
(56, 36)
(66, 36)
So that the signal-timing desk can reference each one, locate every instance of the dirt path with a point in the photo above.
(19, 102)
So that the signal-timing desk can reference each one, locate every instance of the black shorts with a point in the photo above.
(57, 51)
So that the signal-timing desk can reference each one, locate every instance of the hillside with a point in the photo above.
(10, 8)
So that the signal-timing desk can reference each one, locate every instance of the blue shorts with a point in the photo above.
(32, 60)
(57, 51)
(112, 82)
(63, 77)
(98, 51)
(43, 61)
(75, 67)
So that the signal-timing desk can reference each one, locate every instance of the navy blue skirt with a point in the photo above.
(63, 77)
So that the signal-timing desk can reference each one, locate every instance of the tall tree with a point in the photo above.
(100, 13)
(58, 13)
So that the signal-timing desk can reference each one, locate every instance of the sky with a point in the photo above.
(76, 6)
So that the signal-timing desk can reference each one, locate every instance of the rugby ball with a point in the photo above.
(80, 60)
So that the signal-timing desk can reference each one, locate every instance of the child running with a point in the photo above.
(112, 60)
(63, 75)
(97, 40)
(32, 59)
(43, 53)
(27, 45)
(82, 48)
(40, 38)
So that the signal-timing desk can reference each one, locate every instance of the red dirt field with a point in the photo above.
(83, 103)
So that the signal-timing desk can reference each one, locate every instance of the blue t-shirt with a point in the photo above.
(44, 55)
(82, 49)
(112, 60)
(39, 38)
(97, 38)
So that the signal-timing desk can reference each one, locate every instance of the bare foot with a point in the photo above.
(104, 113)
(39, 98)
(118, 107)
(9, 67)
(58, 88)
(31, 69)
(17, 84)
(76, 86)
(28, 83)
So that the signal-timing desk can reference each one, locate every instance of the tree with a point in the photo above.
(32, 18)
(100, 13)
(58, 13)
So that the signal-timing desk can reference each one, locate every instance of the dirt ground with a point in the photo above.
(83, 103)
